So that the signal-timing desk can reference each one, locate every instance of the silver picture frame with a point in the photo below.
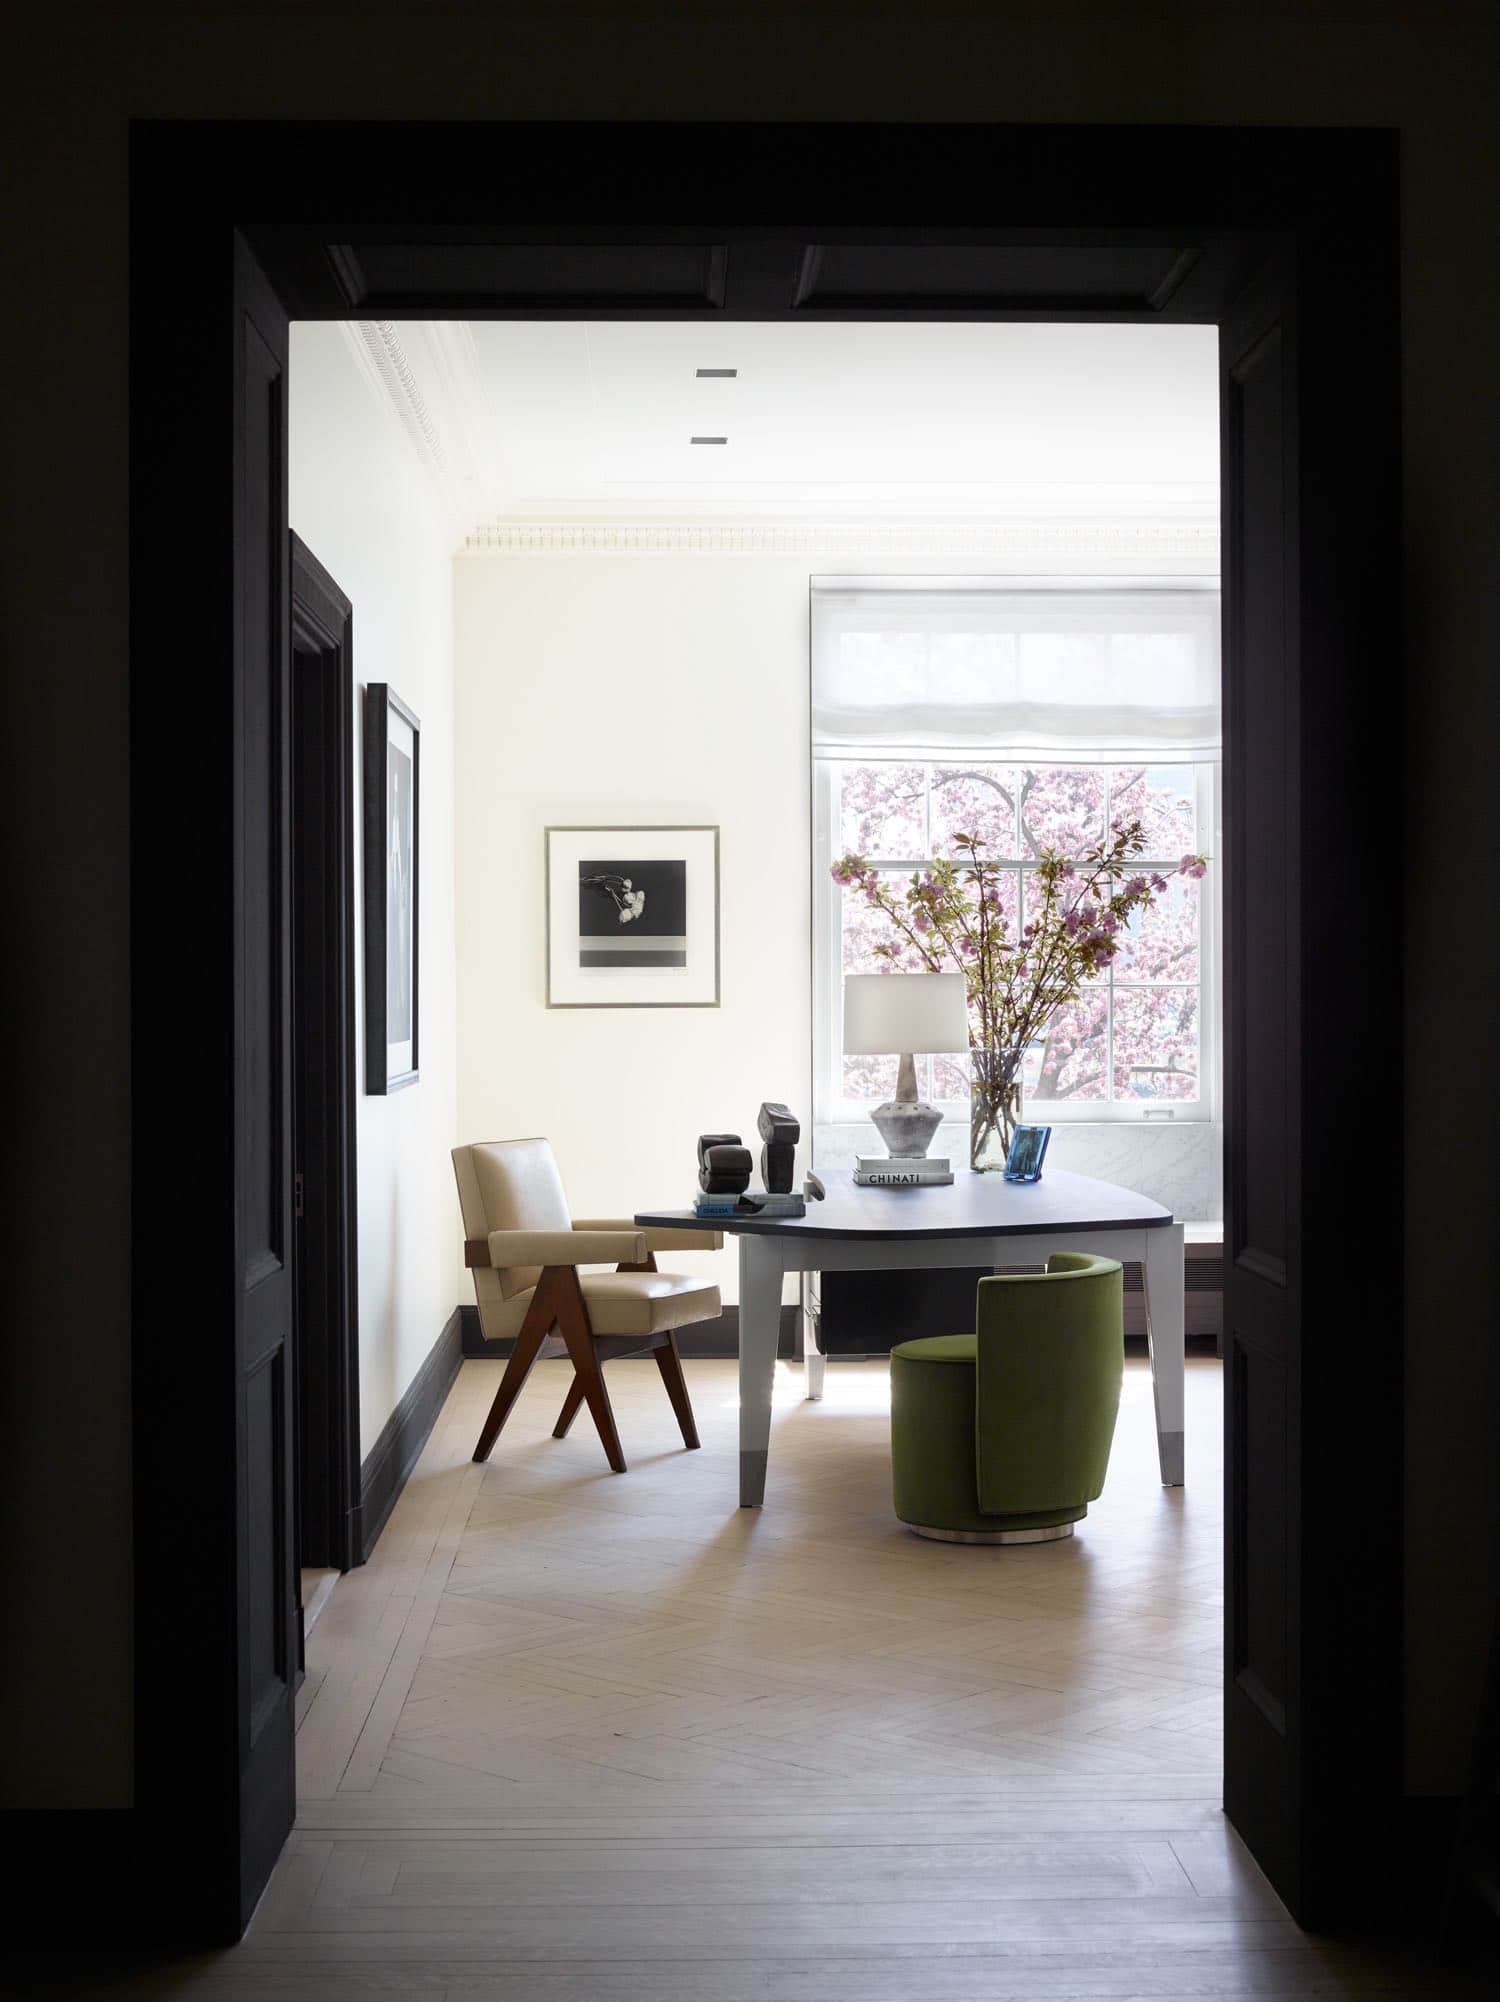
(701, 941)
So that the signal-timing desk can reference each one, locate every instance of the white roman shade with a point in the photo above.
(1065, 675)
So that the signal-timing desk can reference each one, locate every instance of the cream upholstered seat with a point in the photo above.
(525, 1250)
(646, 1303)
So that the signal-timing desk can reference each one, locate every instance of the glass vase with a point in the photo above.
(994, 1107)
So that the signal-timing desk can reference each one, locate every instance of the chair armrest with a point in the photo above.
(558, 1247)
(659, 1237)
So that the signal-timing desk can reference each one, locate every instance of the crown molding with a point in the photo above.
(1193, 543)
(426, 392)
(382, 349)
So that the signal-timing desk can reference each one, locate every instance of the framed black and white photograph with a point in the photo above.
(632, 917)
(392, 832)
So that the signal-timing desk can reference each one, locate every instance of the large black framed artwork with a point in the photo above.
(393, 794)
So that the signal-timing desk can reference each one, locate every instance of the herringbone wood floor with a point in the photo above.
(577, 1737)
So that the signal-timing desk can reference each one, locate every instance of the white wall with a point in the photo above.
(621, 691)
(363, 504)
(628, 689)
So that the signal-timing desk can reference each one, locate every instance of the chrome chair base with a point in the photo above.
(1053, 1533)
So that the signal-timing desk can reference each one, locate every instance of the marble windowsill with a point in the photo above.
(1178, 1165)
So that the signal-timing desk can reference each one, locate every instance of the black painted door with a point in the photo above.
(329, 1529)
(1262, 988)
(263, 1222)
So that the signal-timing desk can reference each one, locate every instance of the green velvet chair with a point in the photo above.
(1003, 1436)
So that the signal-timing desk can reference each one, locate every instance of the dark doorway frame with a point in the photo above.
(330, 1529)
(1084, 223)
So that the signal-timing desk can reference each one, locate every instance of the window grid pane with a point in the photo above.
(1128, 1037)
(1155, 1044)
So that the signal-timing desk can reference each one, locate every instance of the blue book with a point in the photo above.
(715, 1205)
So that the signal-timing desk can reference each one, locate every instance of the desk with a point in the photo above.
(978, 1220)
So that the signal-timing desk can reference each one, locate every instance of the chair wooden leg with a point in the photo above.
(573, 1324)
(572, 1405)
(669, 1362)
(539, 1318)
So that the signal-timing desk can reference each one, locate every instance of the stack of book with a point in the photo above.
(901, 1171)
(753, 1202)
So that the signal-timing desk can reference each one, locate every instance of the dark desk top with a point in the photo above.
(972, 1206)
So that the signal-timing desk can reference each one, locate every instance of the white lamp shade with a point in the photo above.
(893, 1014)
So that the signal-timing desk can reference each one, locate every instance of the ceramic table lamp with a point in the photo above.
(906, 1015)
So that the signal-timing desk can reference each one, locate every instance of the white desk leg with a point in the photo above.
(760, 1324)
(1162, 1274)
(811, 1354)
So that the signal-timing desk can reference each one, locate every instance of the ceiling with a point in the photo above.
(534, 420)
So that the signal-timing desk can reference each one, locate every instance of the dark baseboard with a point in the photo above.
(703, 1338)
(394, 1454)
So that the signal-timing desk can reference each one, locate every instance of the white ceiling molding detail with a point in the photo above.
(383, 346)
(1195, 544)
(423, 376)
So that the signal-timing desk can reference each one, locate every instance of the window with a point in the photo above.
(1140, 1041)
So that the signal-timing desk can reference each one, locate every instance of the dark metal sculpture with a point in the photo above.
(780, 1130)
(723, 1164)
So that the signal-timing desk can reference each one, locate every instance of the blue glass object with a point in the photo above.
(1028, 1150)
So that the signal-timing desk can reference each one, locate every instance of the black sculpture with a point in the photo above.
(723, 1164)
(780, 1131)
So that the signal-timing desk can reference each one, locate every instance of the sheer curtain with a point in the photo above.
(1066, 674)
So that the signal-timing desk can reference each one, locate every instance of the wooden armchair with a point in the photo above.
(525, 1251)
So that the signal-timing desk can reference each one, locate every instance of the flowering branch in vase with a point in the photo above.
(951, 915)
